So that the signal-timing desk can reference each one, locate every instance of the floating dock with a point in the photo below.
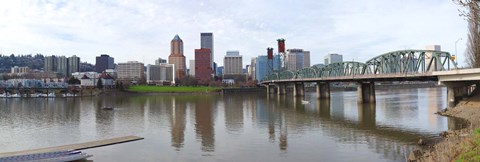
(78, 146)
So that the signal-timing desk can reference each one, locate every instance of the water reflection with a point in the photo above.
(254, 125)
(204, 126)
(177, 121)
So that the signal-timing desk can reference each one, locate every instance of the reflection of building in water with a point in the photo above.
(283, 133)
(366, 115)
(177, 122)
(434, 104)
(323, 107)
(234, 113)
(337, 102)
(204, 125)
(104, 120)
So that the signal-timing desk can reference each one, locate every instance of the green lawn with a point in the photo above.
(168, 89)
(473, 153)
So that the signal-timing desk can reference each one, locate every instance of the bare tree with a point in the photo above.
(471, 12)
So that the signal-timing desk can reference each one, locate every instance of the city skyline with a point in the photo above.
(131, 31)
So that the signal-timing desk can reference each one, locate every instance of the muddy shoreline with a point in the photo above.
(452, 143)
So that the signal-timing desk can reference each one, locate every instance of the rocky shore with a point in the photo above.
(453, 143)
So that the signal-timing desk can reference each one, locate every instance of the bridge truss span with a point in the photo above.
(401, 63)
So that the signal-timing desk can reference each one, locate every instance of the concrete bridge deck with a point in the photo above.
(78, 146)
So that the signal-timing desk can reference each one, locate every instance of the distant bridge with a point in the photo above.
(402, 65)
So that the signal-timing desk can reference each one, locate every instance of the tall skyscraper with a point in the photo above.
(232, 63)
(73, 65)
(206, 41)
(333, 58)
(104, 62)
(191, 71)
(62, 66)
(261, 66)
(160, 61)
(203, 70)
(177, 58)
(306, 59)
(295, 59)
(50, 64)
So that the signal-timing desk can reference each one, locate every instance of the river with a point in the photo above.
(231, 127)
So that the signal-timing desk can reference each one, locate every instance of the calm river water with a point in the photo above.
(239, 127)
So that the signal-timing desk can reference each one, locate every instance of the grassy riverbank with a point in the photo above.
(169, 89)
(459, 145)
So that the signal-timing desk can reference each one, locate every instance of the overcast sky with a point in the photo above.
(142, 30)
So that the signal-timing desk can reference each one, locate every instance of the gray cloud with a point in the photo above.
(132, 30)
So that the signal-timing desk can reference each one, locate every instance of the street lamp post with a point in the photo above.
(456, 55)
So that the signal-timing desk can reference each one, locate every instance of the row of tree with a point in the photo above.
(471, 12)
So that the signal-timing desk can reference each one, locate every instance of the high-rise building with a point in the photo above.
(206, 41)
(177, 58)
(50, 64)
(219, 70)
(73, 65)
(203, 70)
(295, 59)
(191, 71)
(261, 66)
(333, 58)
(62, 65)
(104, 62)
(436, 63)
(160, 61)
(130, 71)
(251, 72)
(153, 73)
(232, 63)
(306, 59)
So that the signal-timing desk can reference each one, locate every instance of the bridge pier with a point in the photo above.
(298, 89)
(270, 89)
(366, 92)
(456, 91)
(282, 89)
(323, 90)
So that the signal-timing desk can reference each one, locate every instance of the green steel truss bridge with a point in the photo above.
(402, 65)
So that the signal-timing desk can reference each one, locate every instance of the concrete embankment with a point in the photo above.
(454, 143)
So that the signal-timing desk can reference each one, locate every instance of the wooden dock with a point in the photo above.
(78, 146)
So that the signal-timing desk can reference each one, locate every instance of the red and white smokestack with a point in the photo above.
(281, 45)
(270, 53)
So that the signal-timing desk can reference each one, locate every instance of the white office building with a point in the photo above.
(232, 63)
(333, 58)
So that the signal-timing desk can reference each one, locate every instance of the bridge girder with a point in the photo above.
(401, 61)
(411, 61)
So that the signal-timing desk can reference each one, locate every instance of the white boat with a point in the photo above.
(305, 102)
(4, 95)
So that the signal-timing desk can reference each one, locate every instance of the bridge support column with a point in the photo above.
(456, 91)
(366, 92)
(282, 89)
(298, 89)
(270, 89)
(323, 90)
